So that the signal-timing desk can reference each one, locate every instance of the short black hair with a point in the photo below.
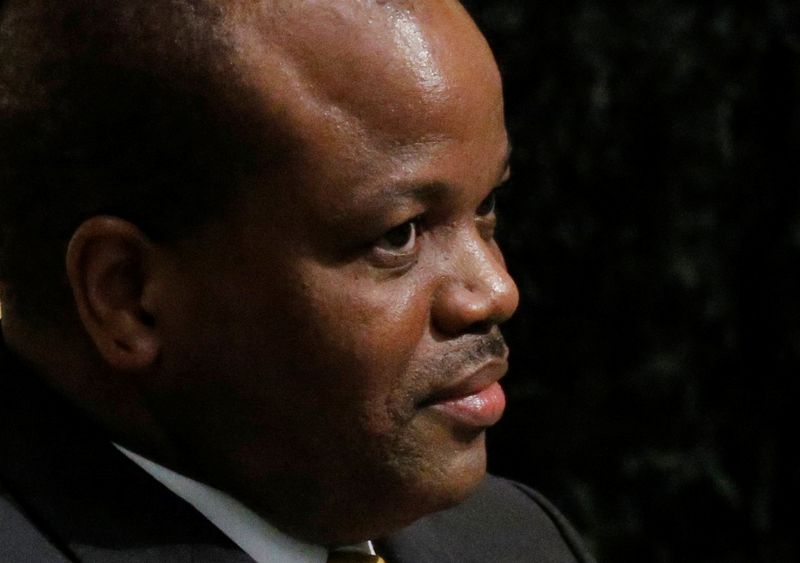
(129, 108)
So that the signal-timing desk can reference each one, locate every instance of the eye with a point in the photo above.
(487, 206)
(399, 240)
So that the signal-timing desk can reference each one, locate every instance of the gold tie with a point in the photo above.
(353, 557)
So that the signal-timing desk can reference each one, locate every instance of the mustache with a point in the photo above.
(480, 349)
(467, 353)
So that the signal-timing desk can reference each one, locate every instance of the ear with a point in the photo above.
(108, 262)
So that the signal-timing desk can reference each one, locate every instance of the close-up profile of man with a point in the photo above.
(251, 293)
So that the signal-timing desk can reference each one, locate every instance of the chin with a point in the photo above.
(414, 488)
(442, 480)
(459, 479)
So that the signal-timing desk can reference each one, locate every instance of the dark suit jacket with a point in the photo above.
(66, 494)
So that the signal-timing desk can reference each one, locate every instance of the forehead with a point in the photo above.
(377, 72)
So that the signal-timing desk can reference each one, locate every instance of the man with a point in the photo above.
(251, 290)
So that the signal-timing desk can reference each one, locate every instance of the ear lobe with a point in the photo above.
(107, 268)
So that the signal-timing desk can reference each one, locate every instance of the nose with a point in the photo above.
(477, 294)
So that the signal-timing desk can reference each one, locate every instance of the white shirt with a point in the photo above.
(259, 539)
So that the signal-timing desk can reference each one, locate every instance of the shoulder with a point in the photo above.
(20, 539)
(503, 521)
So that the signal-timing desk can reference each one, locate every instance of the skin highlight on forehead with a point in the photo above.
(367, 67)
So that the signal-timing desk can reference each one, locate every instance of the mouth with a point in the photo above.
(476, 400)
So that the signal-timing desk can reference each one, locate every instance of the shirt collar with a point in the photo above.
(254, 535)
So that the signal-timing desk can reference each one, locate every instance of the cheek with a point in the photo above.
(369, 334)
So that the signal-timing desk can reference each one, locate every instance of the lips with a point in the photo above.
(476, 400)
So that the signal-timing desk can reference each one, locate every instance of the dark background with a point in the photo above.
(653, 225)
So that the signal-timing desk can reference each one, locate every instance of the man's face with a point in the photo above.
(331, 346)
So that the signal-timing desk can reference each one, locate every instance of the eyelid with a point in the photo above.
(397, 258)
(490, 201)
(495, 195)
(412, 235)
(506, 176)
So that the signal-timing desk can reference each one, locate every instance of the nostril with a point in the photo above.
(480, 328)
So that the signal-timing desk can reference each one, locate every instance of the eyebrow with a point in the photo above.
(418, 192)
(433, 190)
